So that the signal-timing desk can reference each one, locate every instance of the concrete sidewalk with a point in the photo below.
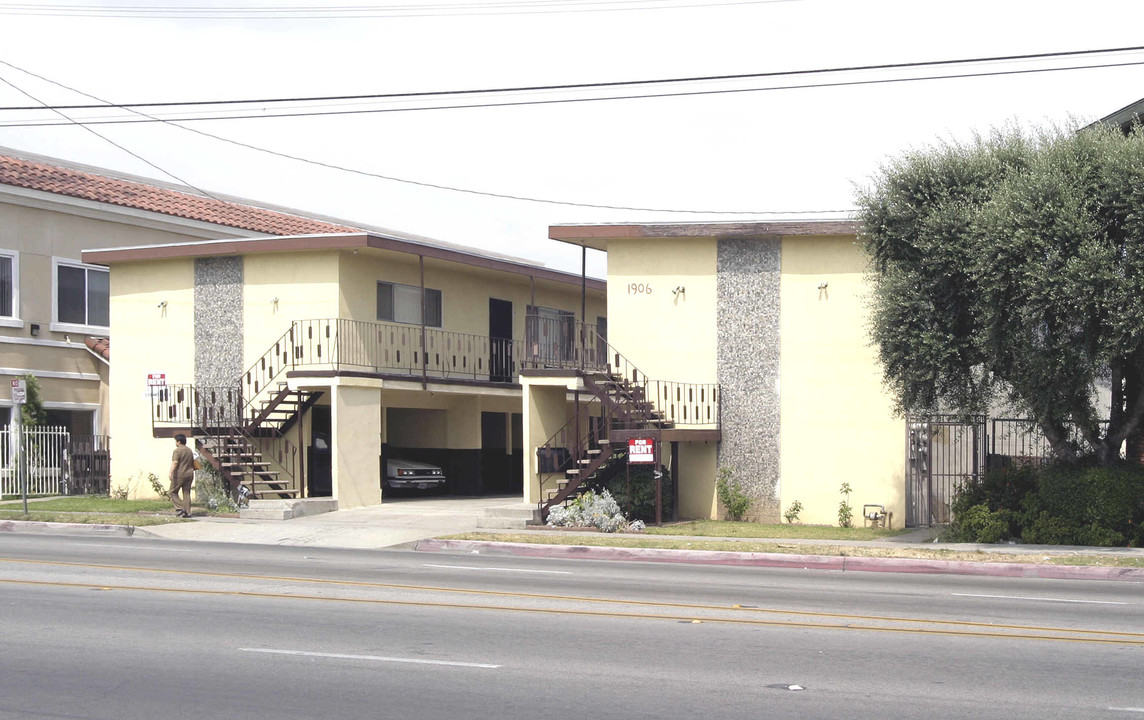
(416, 522)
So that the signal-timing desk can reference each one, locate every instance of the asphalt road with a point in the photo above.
(123, 628)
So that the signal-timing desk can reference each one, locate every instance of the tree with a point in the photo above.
(33, 413)
(1010, 269)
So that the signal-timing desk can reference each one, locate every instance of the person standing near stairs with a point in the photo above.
(182, 475)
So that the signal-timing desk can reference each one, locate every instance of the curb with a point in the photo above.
(798, 562)
(53, 528)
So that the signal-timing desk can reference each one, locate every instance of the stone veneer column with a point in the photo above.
(748, 366)
(218, 321)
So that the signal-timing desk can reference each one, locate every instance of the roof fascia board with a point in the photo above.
(598, 236)
(92, 209)
(336, 241)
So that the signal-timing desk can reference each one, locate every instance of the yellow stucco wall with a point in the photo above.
(356, 461)
(306, 286)
(837, 424)
(668, 336)
(696, 476)
(465, 291)
(153, 339)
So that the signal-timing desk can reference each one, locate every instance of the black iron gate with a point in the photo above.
(941, 451)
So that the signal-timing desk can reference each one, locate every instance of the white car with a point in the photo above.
(412, 474)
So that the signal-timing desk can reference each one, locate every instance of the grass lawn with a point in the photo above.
(716, 545)
(91, 503)
(725, 528)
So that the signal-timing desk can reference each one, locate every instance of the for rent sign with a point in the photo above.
(641, 451)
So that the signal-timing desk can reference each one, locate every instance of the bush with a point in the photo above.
(634, 492)
(731, 495)
(590, 509)
(1058, 504)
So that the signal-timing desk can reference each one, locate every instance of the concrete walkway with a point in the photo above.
(416, 522)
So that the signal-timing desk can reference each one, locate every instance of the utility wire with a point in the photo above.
(623, 83)
(436, 186)
(354, 12)
(109, 140)
(328, 113)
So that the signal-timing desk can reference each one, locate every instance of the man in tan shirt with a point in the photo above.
(181, 475)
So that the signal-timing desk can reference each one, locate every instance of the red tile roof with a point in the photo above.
(35, 175)
(100, 346)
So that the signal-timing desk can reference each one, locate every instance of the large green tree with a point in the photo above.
(1010, 270)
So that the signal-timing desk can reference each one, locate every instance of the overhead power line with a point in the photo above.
(614, 84)
(418, 183)
(145, 118)
(349, 12)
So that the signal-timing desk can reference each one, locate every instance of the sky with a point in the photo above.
(750, 149)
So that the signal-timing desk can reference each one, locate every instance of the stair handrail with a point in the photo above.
(575, 450)
(265, 371)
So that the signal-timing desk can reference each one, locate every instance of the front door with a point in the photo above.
(500, 340)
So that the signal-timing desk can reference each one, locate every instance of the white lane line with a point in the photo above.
(378, 658)
(1139, 710)
(496, 569)
(1041, 599)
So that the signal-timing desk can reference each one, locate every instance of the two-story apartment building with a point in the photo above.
(321, 355)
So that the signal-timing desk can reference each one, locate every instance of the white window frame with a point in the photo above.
(14, 320)
(58, 326)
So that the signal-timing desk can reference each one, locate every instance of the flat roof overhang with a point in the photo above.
(598, 236)
(338, 241)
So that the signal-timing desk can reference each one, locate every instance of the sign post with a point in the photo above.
(642, 451)
(19, 399)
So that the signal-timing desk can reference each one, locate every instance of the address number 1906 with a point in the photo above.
(639, 289)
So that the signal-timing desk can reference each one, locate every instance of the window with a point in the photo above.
(402, 303)
(83, 295)
(10, 289)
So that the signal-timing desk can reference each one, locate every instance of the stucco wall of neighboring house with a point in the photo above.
(669, 336)
(154, 340)
(837, 422)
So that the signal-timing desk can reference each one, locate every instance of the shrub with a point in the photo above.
(210, 490)
(791, 515)
(731, 495)
(845, 510)
(1058, 504)
(589, 509)
(634, 491)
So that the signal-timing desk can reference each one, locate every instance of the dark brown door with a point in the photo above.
(500, 340)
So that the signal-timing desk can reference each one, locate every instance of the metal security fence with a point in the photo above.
(941, 451)
(55, 461)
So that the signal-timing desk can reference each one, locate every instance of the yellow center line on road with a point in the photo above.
(1136, 636)
(589, 613)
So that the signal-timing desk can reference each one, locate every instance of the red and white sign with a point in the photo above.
(156, 379)
(641, 451)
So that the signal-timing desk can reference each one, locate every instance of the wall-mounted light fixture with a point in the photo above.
(274, 303)
(34, 328)
(823, 285)
(162, 304)
(679, 290)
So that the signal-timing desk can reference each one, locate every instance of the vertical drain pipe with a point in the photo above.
(424, 347)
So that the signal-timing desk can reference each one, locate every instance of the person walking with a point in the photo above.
(181, 475)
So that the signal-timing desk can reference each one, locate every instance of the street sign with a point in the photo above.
(641, 451)
(19, 391)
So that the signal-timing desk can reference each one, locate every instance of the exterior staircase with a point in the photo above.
(619, 402)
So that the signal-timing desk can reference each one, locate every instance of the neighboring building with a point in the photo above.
(53, 306)
(303, 362)
(752, 348)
